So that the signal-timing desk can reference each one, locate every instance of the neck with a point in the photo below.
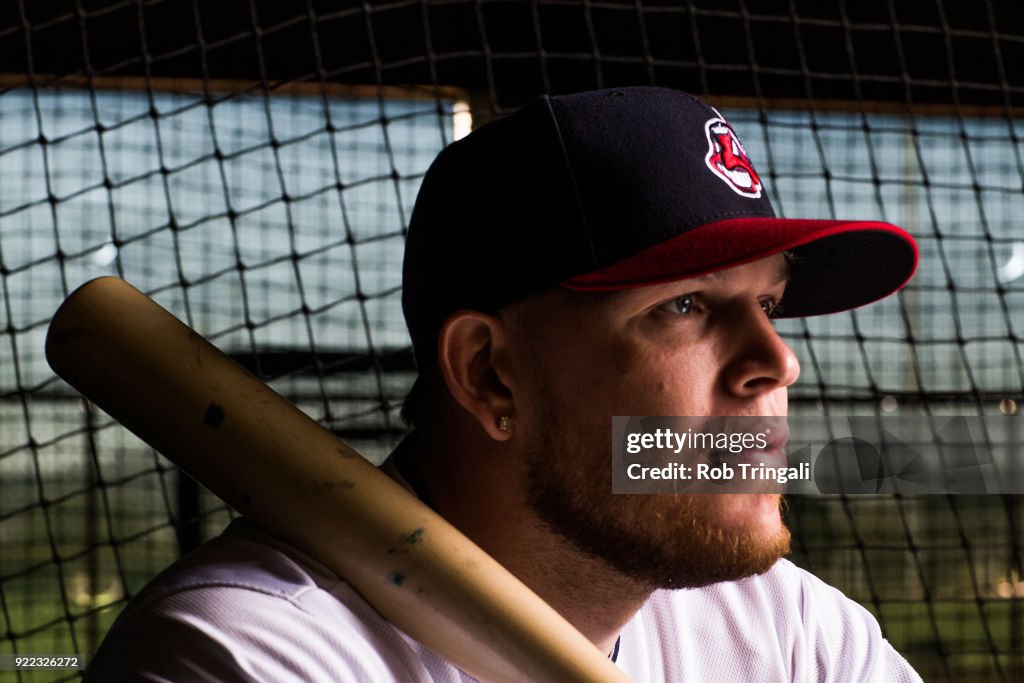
(591, 596)
(488, 505)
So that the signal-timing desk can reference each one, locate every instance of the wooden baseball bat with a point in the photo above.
(298, 481)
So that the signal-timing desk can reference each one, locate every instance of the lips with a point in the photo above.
(769, 457)
(776, 436)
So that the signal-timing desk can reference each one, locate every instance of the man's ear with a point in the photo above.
(469, 344)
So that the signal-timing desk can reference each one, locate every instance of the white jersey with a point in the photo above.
(246, 607)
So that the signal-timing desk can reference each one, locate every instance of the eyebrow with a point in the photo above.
(782, 275)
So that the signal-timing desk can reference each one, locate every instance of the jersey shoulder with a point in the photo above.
(246, 607)
(784, 624)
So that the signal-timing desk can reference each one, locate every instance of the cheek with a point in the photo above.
(672, 381)
(624, 359)
(682, 392)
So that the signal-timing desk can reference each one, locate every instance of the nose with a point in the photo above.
(759, 360)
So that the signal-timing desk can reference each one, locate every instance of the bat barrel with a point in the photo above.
(294, 478)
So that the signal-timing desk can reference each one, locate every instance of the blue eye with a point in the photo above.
(681, 304)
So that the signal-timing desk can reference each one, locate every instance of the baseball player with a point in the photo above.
(605, 253)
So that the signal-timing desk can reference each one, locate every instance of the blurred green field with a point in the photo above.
(940, 573)
(56, 608)
(62, 582)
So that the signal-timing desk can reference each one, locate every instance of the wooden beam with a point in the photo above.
(198, 86)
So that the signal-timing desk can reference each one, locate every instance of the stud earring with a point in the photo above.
(505, 423)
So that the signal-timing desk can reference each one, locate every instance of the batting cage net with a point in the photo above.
(252, 165)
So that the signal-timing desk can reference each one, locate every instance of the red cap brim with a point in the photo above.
(840, 265)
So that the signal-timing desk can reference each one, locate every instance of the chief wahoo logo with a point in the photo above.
(728, 160)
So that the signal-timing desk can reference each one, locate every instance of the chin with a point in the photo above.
(727, 537)
(753, 513)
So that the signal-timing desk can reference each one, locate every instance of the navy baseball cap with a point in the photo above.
(613, 189)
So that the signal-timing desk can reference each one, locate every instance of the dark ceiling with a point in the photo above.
(927, 51)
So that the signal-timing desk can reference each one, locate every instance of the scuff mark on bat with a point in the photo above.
(406, 541)
(397, 578)
(214, 416)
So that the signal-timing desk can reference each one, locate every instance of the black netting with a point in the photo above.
(252, 165)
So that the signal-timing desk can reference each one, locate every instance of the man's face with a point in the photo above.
(703, 346)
